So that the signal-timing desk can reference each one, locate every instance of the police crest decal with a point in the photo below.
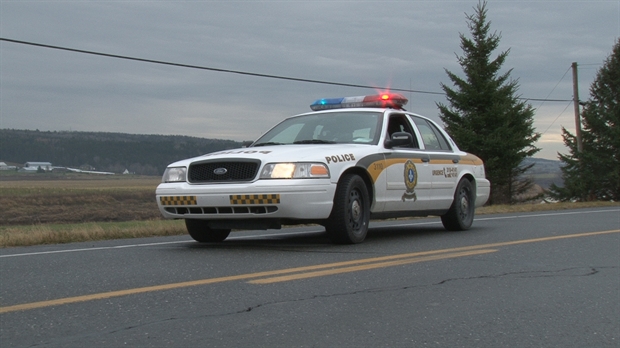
(411, 180)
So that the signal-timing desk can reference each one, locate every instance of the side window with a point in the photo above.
(399, 123)
(431, 136)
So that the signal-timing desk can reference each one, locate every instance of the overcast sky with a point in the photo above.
(398, 44)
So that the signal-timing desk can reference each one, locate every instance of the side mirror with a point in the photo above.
(399, 139)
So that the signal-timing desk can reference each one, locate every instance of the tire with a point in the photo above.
(201, 232)
(348, 221)
(461, 214)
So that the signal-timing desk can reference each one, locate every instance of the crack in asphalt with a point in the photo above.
(589, 271)
(254, 307)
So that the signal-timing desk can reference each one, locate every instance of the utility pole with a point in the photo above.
(576, 105)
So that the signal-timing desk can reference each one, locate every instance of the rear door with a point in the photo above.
(444, 164)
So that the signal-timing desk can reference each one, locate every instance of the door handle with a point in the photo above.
(455, 160)
(426, 160)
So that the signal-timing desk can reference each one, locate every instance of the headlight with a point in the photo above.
(175, 174)
(294, 171)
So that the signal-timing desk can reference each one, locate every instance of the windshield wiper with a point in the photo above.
(314, 141)
(267, 144)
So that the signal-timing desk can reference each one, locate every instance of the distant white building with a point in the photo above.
(4, 166)
(34, 166)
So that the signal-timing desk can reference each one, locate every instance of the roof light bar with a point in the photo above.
(384, 100)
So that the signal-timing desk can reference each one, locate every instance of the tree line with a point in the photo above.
(110, 152)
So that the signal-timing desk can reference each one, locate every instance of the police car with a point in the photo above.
(348, 161)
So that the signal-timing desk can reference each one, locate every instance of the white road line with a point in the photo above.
(478, 218)
(549, 214)
(305, 232)
(92, 249)
(143, 245)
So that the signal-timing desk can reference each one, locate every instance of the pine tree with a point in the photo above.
(594, 173)
(485, 116)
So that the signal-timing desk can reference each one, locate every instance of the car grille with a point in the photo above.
(222, 171)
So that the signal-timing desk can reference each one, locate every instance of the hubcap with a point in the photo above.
(356, 210)
(464, 203)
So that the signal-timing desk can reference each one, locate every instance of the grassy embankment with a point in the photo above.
(65, 208)
(49, 209)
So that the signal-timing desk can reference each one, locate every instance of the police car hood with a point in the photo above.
(281, 153)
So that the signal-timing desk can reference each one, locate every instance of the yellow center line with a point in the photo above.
(367, 267)
(329, 268)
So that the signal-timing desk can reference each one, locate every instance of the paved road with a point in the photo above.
(519, 280)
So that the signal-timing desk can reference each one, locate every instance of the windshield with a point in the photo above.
(326, 128)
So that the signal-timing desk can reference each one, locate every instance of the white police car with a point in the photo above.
(350, 160)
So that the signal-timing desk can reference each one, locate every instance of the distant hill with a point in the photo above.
(110, 152)
(148, 154)
(544, 172)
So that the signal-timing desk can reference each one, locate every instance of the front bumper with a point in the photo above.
(301, 199)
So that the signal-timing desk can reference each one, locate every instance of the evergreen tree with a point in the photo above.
(594, 173)
(484, 116)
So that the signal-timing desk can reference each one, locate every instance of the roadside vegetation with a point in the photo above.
(39, 234)
(69, 208)
(484, 114)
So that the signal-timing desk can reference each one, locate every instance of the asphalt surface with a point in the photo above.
(548, 279)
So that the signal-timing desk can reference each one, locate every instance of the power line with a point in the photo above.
(556, 118)
(556, 85)
(209, 68)
(247, 73)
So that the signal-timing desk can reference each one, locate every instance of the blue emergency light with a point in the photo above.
(385, 100)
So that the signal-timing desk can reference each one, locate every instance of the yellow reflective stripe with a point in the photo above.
(471, 159)
(178, 200)
(255, 199)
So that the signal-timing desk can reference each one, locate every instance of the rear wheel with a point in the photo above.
(461, 214)
(348, 222)
(201, 232)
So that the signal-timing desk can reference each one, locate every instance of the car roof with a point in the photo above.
(344, 110)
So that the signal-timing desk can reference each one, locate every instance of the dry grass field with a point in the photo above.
(70, 198)
(64, 208)
(26, 235)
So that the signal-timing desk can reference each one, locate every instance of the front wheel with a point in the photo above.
(461, 214)
(201, 232)
(348, 222)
